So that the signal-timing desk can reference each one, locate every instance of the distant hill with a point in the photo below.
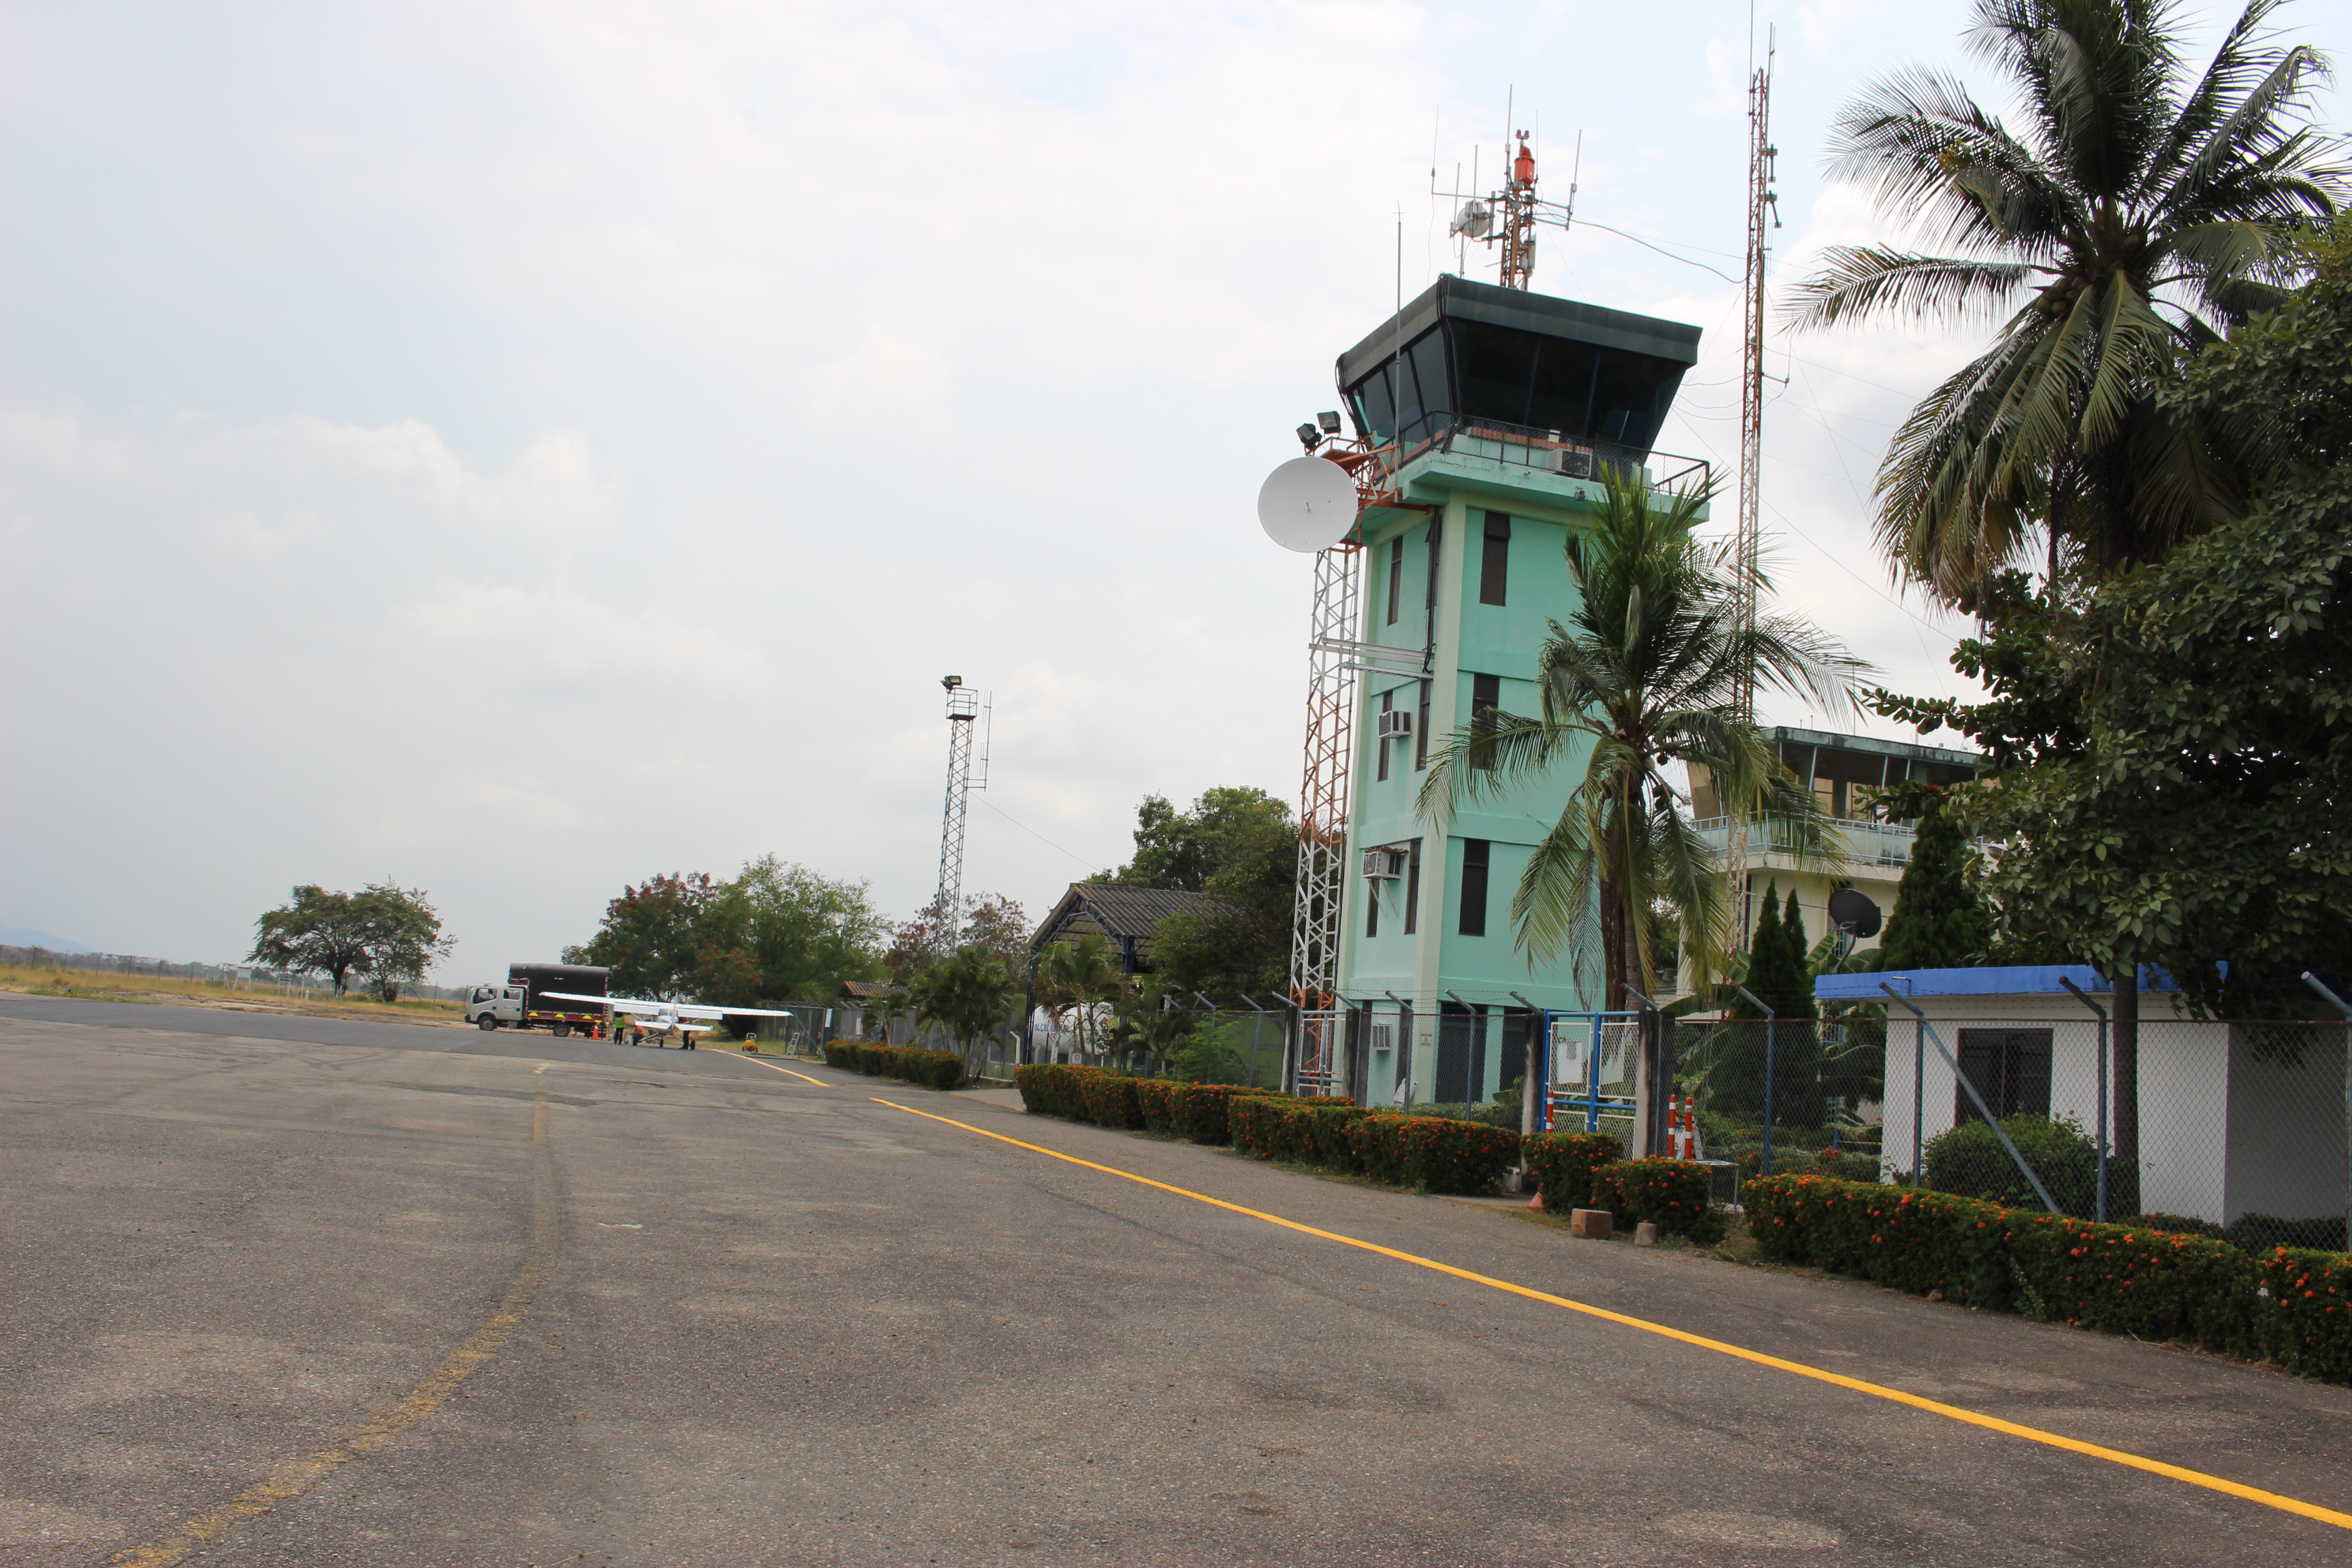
(24, 936)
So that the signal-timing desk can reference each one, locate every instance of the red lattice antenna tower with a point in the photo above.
(1763, 210)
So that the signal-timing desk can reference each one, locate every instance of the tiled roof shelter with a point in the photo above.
(1126, 916)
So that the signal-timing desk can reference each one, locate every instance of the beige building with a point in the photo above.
(1844, 770)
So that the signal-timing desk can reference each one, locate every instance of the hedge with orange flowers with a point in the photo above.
(1677, 1196)
(1562, 1164)
(1203, 1110)
(1051, 1089)
(1156, 1099)
(1109, 1099)
(2291, 1306)
(1434, 1153)
(1304, 1131)
(934, 1069)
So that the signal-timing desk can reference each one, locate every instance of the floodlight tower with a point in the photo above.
(963, 710)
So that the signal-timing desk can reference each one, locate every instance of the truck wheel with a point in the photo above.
(488, 1021)
(561, 1030)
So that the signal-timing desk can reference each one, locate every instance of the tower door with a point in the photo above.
(1461, 1055)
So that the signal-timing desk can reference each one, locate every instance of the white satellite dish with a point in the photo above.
(1307, 504)
(1474, 220)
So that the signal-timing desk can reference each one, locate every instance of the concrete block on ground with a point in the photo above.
(1593, 1224)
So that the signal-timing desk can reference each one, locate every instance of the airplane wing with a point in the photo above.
(638, 1007)
(618, 1004)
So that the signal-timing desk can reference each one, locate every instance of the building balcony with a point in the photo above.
(1884, 845)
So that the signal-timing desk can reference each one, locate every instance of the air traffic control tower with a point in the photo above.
(1499, 405)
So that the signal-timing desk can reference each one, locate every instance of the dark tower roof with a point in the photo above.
(1507, 357)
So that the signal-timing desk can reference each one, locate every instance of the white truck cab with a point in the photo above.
(487, 1006)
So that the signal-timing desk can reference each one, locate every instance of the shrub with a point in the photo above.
(2301, 1311)
(1201, 1110)
(2160, 1276)
(1969, 1160)
(1156, 1098)
(1434, 1154)
(1257, 1124)
(1677, 1196)
(842, 1054)
(1562, 1164)
(1109, 1099)
(1052, 1089)
(933, 1070)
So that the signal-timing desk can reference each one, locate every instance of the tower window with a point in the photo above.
(1388, 704)
(1485, 699)
(1396, 576)
(1476, 853)
(1421, 729)
(1372, 908)
(1495, 565)
(1412, 888)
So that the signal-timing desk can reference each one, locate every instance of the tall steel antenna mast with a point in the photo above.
(964, 706)
(1763, 202)
(1508, 216)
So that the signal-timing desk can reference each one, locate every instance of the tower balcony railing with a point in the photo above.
(1544, 451)
(1864, 843)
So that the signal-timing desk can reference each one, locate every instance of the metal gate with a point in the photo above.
(1590, 1068)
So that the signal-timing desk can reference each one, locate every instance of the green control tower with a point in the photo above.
(1487, 412)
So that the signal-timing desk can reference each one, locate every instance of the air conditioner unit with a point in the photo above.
(1383, 865)
(1384, 1037)
(1396, 725)
(1576, 462)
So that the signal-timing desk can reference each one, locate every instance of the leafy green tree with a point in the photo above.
(2133, 212)
(653, 937)
(400, 936)
(1938, 920)
(1240, 944)
(316, 932)
(2166, 758)
(779, 931)
(1650, 670)
(1184, 850)
(988, 920)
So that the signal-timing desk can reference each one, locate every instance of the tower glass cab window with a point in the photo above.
(1467, 357)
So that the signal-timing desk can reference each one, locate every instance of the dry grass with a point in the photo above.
(106, 986)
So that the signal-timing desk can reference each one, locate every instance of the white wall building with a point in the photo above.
(2235, 1118)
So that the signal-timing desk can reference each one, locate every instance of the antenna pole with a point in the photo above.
(964, 708)
(1762, 206)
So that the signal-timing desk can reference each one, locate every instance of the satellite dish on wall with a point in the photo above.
(1852, 911)
(1307, 504)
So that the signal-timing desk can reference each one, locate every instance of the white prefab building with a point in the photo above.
(2235, 1118)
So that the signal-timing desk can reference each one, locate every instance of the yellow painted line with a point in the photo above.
(293, 1480)
(1876, 1390)
(740, 1056)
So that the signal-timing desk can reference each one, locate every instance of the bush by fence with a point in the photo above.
(933, 1069)
(1677, 1196)
(1434, 1155)
(2293, 1306)
(1562, 1163)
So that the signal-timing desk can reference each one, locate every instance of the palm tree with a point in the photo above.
(965, 994)
(1078, 974)
(1649, 673)
(2133, 216)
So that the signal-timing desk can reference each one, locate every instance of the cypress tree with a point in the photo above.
(1797, 1000)
(1937, 923)
(1763, 955)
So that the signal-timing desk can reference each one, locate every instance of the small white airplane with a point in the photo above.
(662, 1019)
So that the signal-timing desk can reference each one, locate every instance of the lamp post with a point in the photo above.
(1771, 1020)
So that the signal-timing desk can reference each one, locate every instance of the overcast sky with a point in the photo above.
(516, 448)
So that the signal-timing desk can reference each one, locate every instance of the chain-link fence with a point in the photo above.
(2235, 1129)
